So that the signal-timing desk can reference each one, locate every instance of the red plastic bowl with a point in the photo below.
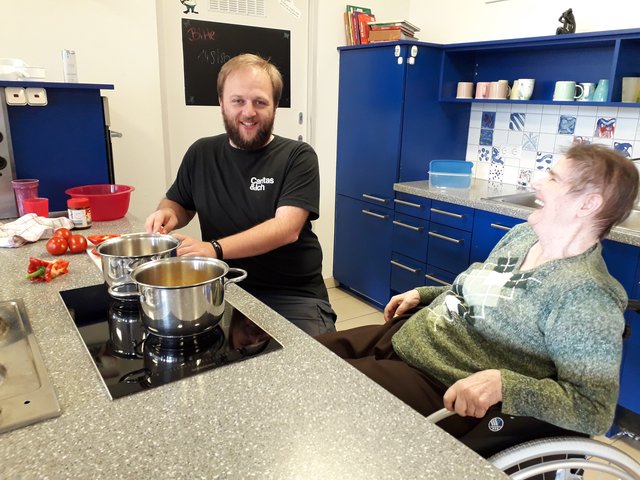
(107, 202)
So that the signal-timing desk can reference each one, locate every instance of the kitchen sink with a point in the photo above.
(524, 199)
(528, 200)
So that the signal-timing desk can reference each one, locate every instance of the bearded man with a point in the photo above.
(255, 194)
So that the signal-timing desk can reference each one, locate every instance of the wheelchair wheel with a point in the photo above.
(566, 458)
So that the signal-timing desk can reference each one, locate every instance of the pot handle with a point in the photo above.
(242, 274)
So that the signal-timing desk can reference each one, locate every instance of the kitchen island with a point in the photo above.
(299, 412)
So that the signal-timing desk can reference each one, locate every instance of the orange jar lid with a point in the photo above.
(78, 202)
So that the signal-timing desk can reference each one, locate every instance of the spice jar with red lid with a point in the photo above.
(79, 212)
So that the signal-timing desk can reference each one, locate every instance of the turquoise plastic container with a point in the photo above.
(450, 173)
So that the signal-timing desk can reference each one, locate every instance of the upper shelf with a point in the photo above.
(586, 57)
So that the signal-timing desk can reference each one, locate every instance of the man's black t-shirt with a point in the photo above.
(233, 190)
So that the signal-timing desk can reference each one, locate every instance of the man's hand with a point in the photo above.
(400, 304)
(163, 221)
(472, 396)
(190, 247)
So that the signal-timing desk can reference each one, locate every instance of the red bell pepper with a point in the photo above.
(44, 271)
(98, 239)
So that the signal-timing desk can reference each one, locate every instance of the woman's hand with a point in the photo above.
(191, 247)
(472, 396)
(400, 304)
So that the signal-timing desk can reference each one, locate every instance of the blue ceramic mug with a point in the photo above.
(602, 91)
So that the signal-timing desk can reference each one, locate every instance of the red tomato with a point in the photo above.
(57, 245)
(62, 232)
(98, 239)
(77, 244)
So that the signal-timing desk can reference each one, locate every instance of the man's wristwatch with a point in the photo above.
(218, 248)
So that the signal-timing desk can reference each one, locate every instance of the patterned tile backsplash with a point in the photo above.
(515, 143)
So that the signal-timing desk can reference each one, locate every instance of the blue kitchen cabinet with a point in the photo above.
(412, 205)
(65, 143)
(409, 243)
(410, 236)
(449, 233)
(437, 277)
(371, 99)
(629, 397)
(406, 273)
(389, 121)
(622, 262)
(362, 255)
(488, 229)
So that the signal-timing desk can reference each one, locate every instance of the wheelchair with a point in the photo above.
(527, 448)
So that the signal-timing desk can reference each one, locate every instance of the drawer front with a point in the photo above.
(410, 236)
(412, 205)
(488, 229)
(455, 216)
(406, 273)
(436, 277)
(448, 248)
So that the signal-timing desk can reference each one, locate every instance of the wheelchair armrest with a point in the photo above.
(441, 414)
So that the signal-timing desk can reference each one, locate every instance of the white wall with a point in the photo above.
(475, 20)
(116, 43)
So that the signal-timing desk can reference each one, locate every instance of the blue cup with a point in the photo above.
(602, 91)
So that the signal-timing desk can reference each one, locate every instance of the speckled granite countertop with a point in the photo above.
(296, 413)
(480, 189)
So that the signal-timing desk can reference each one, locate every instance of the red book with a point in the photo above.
(363, 26)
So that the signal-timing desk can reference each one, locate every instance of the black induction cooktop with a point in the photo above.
(130, 359)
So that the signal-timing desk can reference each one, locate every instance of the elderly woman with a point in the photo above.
(537, 326)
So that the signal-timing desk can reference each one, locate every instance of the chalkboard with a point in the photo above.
(206, 46)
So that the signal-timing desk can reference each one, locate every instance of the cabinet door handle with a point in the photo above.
(375, 199)
(404, 267)
(499, 227)
(443, 212)
(408, 204)
(410, 227)
(437, 280)
(444, 237)
(376, 215)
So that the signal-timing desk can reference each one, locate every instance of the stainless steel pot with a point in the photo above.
(182, 296)
(120, 255)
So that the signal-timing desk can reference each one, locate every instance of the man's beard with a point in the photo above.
(259, 140)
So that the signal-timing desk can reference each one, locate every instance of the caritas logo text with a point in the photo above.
(258, 184)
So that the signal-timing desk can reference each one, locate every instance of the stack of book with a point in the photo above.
(356, 24)
(391, 31)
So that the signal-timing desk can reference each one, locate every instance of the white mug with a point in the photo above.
(566, 91)
(525, 88)
(588, 90)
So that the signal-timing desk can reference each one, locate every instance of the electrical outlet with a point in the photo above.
(36, 96)
(15, 96)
